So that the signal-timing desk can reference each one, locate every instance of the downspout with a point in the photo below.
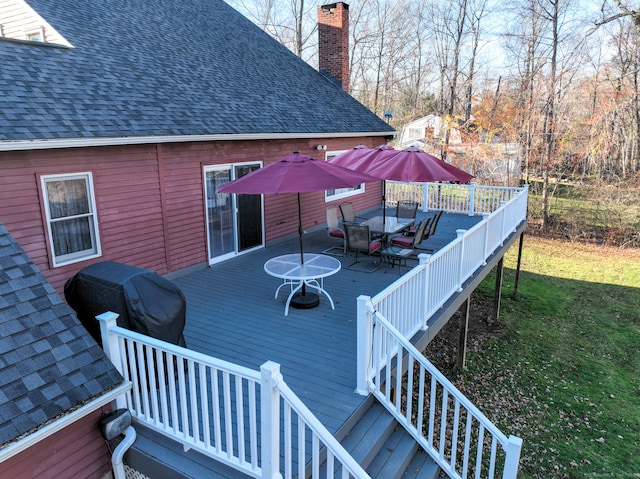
(112, 425)
(120, 450)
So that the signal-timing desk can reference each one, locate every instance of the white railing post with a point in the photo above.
(485, 250)
(270, 420)
(364, 345)
(512, 457)
(111, 346)
(460, 238)
(425, 197)
(423, 260)
(472, 198)
(503, 211)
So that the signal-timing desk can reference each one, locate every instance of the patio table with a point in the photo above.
(316, 267)
(392, 225)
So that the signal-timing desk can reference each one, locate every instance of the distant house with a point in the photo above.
(120, 120)
(426, 132)
(55, 379)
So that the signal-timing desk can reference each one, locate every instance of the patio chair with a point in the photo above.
(400, 253)
(430, 232)
(410, 241)
(334, 231)
(349, 213)
(432, 228)
(406, 209)
(359, 240)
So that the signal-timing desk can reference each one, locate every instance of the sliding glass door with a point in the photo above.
(234, 221)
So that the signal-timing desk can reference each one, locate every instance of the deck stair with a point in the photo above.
(375, 439)
(384, 449)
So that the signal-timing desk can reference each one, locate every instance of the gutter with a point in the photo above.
(59, 424)
(43, 144)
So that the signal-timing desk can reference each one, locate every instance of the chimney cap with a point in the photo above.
(332, 6)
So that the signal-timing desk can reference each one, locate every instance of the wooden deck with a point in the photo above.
(232, 315)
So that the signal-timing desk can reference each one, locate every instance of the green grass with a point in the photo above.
(564, 375)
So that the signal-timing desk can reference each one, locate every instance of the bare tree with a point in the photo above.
(288, 21)
(477, 12)
(622, 9)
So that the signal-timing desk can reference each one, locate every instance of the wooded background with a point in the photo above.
(561, 78)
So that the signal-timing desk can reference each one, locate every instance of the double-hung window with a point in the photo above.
(71, 217)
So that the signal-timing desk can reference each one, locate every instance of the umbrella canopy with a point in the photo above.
(296, 173)
(360, 158)
(415, 165)
(411, 165)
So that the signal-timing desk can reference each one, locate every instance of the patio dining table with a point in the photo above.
(296, 274)
(387, 226)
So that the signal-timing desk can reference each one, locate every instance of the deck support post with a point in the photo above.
(517, 281)
(464, 328)
(498, 289)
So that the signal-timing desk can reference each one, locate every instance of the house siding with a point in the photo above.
(150, 199)
(18, 19)
(76, 451)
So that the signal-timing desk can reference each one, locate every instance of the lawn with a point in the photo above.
(561, 369)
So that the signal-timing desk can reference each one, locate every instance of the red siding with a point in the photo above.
(76, 451)
(150, 198)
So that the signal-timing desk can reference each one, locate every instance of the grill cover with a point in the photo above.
(146, 302)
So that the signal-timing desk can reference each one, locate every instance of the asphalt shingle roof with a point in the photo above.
(49, 364)
(161, 67)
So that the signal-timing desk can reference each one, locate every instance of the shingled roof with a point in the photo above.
(49, 364)
(162, 68)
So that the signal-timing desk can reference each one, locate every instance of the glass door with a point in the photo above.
(234, 222)
(249, 217)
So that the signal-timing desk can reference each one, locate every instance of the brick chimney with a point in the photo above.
(333, 42)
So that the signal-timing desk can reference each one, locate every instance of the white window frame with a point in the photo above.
(30, 33)
(96, 249)
(341, 193)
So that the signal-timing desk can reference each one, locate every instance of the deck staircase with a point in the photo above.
(372, 436)
(383, 447)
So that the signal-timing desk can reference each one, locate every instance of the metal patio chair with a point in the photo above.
(400, 253)
(430, 232)
(359, 240)
(335, 231)
(407, 209)
(349, 213)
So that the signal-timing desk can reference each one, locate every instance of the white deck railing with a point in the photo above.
(249, 420)
(405, 307)
(471, 199)
(440, 418)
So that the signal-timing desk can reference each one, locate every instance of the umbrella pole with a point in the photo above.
(384, 203)
(303, 300)
(300, 232)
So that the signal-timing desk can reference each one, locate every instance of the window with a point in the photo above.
(331, 195)
(71, 217)
(35, 35)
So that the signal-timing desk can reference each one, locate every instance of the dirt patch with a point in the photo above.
(443, 350)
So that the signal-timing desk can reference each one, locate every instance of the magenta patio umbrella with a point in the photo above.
(360, 158)
(297, 173)
(413, 165)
